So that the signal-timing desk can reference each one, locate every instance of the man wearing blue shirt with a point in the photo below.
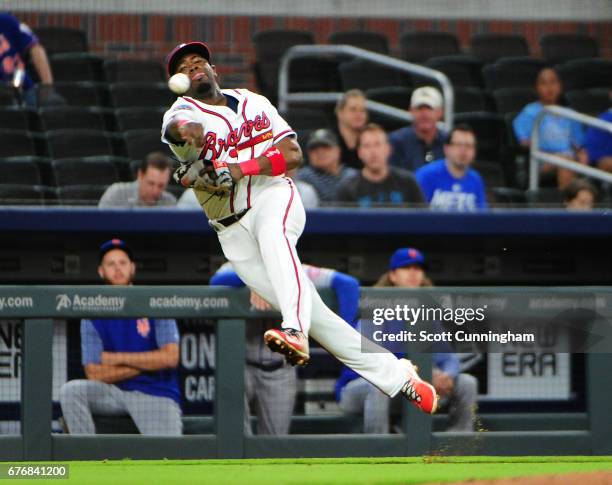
(421, 143)
(450, 184)
(130, 364)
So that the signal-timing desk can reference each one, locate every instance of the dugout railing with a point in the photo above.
(37, 442)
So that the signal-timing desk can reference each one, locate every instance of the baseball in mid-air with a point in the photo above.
(179, 83)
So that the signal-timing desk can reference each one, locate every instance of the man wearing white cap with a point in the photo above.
(422, 142)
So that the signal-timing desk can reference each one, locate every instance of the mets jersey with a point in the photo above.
(230, 136)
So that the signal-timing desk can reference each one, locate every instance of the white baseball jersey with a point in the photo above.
(230, 136)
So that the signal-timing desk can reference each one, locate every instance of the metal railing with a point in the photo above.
(232, 309)
(285, 97)
(537, 156)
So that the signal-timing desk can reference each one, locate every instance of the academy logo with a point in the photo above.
(63, 301)
(97, 303)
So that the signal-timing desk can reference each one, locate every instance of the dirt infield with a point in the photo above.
(595, 478)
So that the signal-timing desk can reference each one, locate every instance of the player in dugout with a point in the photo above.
(130, 363)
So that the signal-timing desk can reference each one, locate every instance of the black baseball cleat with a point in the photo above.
(289, 342)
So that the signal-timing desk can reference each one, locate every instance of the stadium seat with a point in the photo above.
(121, 164)
(468, 100)
(62, 40)
(134, 70)
(420, 46)
(549, 197)
(462, 71)
(309, 119)
(8, 96)
(314, 74)
(72, 117)
(389, 123)
(75, 195)
(509, 100)
(371, 41)
(21, 194)
(270, 45)
(139, 143)
(14, 118)
(490, 132)
(396, 96)
(78, 143)
(24, 171)
(145, 95)
(488, 47)
(84, 172)
(589, 101)
(558, 48)
(512, 72)
(586, 74)
(365, 75)
(77, 67)
(509, 196)
(84, 93)
(139, 118)
(17, 143)
(492, 173)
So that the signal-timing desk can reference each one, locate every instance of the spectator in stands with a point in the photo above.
(325, 170)
(352, 116)
(559, 136)
(130, 364)
(378, 183)
(422, 142)
(271, 383)
(148, 190)
(579, 195)
(457, 390)
(17, 44)
(598, 144)
(450, 184)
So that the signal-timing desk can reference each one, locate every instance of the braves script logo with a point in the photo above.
(218, 145)
(143, 326)
(63, 301)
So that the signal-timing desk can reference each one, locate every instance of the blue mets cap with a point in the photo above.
(406, 257)
(115, 244)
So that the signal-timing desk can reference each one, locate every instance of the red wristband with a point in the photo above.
(277, 160)
(180, 123)
(249, 167)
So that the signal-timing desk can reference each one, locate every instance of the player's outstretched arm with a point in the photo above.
(285, 155)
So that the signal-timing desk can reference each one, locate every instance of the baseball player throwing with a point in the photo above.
(234, 150)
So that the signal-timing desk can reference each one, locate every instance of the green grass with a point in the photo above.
(328, 471)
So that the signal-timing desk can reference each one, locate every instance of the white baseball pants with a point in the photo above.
(261, 248)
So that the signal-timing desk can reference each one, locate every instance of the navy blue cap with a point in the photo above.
(115, 244)
(406, 257)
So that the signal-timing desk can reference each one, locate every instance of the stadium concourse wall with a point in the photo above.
(228, 441)
(150, 29)
(52, 233)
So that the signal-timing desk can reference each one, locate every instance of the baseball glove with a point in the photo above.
(210, 176)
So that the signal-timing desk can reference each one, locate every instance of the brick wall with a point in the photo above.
(152, 35)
